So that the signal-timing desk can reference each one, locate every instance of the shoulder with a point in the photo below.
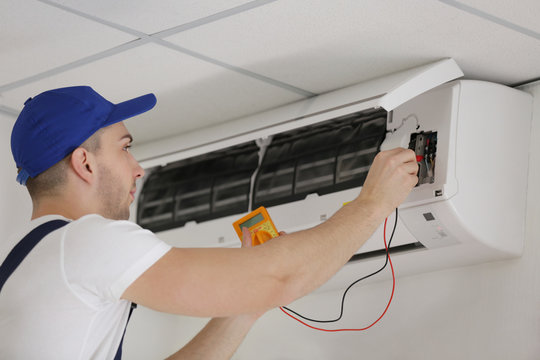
(105, 256)
(99, 240)
(98, 232)
(98, 225)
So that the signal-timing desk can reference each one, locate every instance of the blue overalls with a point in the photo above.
(23, 248)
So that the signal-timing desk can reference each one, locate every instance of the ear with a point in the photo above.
(83, 164)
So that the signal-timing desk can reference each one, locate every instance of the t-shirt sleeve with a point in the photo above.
(102, 257)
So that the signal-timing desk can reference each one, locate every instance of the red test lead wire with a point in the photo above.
(380, 317)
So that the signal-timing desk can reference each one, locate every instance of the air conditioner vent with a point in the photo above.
(197, 189)
(327, 157)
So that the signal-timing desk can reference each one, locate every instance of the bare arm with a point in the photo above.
(219, 339)
(224, 282)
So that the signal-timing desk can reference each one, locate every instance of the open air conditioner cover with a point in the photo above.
(470, 184)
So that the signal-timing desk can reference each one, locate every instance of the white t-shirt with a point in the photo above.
(63, 301)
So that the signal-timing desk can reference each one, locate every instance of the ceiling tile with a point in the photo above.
(149, 16)
(191, 94)
(35, 37)
(321, 45)
(523, 13)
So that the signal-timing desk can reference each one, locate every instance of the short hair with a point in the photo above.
(50, 181)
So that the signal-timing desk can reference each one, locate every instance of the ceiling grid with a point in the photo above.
(495, 19)
(158, 39)
(212, 61)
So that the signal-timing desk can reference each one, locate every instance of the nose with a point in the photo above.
(139, 171)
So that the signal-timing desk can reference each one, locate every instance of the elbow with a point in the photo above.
(287, 275)
(285, 292)
(288, 284)
(289, 295)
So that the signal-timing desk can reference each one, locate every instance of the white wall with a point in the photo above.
(15, 204)
(486, 311)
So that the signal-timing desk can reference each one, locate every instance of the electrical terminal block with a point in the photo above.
(424, 144)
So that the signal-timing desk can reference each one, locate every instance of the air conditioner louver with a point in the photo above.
(198, 189)
(323, 158)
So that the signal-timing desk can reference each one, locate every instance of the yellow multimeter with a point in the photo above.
(259, 224)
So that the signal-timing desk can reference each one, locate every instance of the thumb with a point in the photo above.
(246, 238)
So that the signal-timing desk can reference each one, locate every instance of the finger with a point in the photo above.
(396, 156)
(281, 233)
(406, 155)
(411, 168)
(396, 151)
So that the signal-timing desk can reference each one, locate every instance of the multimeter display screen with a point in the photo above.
(254, 220)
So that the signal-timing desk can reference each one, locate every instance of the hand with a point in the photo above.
(390, 179)
(246, 237)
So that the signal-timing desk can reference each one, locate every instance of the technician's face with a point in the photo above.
(117, 172)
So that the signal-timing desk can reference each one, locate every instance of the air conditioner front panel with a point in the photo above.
(493, 136)
(485, 213)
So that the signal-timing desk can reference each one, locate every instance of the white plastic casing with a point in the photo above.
(478, 198)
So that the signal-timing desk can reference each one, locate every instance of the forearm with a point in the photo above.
(224, 282)
(219, 339)
(312, 256)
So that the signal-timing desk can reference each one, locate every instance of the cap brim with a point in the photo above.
(131, 108)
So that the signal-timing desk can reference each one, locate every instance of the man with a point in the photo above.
(71, 295)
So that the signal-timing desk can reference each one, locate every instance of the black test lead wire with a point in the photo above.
(351, 285)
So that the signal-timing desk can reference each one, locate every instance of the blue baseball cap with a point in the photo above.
(54, 123)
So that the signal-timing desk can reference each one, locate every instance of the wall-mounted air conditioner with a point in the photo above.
(305, 160)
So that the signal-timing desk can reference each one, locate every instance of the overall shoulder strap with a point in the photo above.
(118, 355)
(23, 248)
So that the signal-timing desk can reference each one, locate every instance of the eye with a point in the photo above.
(127, 147)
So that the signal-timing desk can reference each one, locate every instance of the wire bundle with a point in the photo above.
(288, 311)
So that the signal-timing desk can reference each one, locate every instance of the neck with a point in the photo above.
(69, 207)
